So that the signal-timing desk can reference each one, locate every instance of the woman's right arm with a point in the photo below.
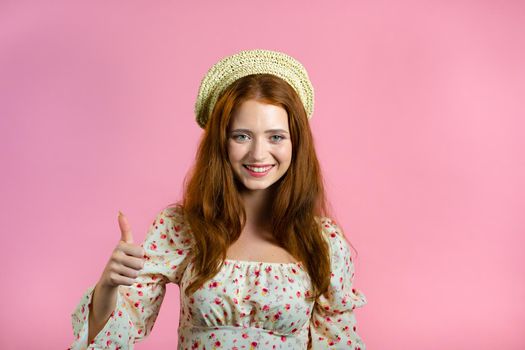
(122, 308)
(122, 268)
(103, 303)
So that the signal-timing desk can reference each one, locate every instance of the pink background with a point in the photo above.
(419, 123)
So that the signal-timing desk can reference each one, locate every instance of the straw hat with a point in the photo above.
(248, 62)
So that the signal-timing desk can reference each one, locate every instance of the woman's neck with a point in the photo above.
(257, 205)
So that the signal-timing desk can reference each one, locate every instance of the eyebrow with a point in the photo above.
(266, 132)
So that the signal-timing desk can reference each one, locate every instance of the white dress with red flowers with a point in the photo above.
(247, 305)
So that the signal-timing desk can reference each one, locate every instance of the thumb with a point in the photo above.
(125, 229)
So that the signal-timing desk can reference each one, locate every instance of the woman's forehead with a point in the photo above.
(259, 115)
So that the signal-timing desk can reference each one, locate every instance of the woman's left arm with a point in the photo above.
(333, 322)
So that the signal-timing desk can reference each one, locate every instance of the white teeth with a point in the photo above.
(258, 170)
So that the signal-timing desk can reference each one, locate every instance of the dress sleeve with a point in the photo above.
(166, 246)
(333, 323)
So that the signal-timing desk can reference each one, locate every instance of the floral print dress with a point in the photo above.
(248, 305)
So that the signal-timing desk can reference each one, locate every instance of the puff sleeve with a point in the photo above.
(333, 323)
(167, 247)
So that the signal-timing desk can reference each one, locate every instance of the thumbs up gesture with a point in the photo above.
(126, 261)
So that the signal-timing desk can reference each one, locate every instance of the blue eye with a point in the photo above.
(277, 138)
(240, 137)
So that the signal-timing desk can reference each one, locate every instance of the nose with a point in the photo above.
(258, 149)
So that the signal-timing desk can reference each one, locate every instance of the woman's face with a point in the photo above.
(259, 144)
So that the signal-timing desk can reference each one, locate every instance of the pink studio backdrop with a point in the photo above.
(419, 123)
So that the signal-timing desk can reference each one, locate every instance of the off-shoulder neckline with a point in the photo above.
(254, 262)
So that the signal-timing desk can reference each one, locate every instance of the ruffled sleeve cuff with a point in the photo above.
(116, 333)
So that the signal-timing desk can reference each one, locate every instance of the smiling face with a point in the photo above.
(259, 144)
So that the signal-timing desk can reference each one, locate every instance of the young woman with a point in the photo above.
(258, 260)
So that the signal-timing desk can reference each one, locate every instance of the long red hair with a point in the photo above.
(211, 201)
